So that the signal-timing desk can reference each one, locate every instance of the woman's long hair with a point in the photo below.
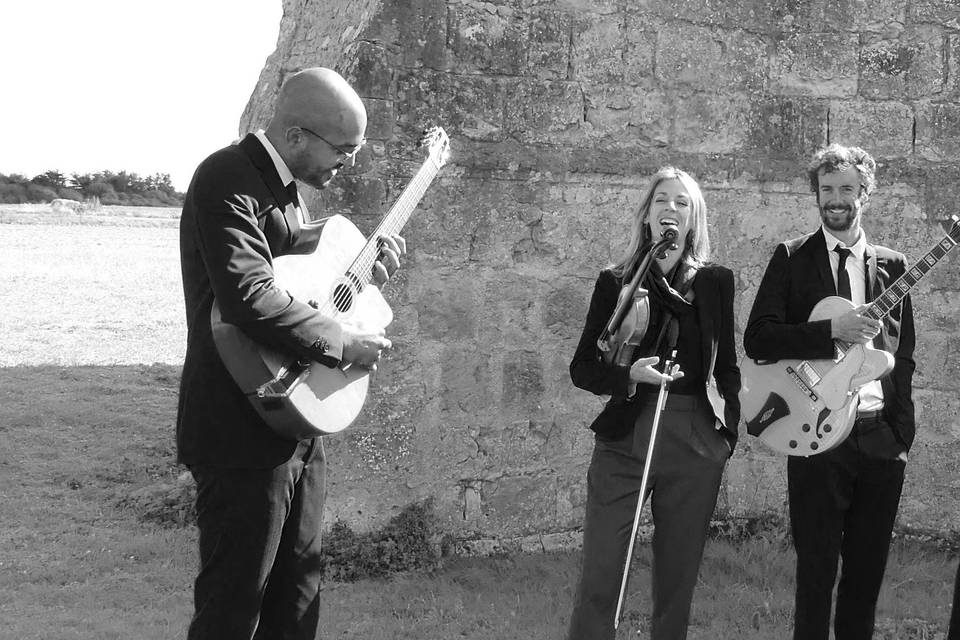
(696, 246)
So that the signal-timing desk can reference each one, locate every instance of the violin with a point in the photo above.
(631, 317)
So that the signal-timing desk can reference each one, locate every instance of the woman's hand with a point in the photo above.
(642, 372)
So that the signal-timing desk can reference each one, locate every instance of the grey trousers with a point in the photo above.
(688, 462)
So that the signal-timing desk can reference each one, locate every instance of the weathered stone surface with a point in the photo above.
(816, 64)
(557, 111)
(908, 66)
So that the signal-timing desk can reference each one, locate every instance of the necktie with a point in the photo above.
(843, 280)
(292, 191)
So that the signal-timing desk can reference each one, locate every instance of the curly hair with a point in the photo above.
(837, 157)
(696, 247)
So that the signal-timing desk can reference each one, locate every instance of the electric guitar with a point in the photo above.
(299, 398)
(806, 407)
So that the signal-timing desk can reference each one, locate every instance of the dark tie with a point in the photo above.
(292, 191)
(843, 280)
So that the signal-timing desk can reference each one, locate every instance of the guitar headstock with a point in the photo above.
(954, 230)
(437, 143)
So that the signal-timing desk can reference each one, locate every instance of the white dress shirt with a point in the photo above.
(283, 170)
(871, 394)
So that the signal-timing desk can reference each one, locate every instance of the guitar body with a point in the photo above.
(806, 407)
(298, 399)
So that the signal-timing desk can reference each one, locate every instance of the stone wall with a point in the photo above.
(557, 111)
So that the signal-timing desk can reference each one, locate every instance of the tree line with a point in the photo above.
(106, 187)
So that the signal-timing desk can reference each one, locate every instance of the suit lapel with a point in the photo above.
(818, 245)
(262, 161)
(707, 305)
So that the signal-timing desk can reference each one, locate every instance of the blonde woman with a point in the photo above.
(691, 311)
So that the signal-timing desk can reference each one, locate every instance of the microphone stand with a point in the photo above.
(669, 368)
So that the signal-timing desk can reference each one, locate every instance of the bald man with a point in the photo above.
(259, 496)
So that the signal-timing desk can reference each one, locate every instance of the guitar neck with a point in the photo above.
(394, 220)
(893, 294)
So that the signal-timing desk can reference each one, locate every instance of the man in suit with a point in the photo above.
(843, 502)
(259, 496)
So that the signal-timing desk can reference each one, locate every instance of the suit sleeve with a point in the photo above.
(726, 371)
(588, 371)
(771, 333)
(238, 261)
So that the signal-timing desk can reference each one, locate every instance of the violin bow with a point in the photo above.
(669, 368)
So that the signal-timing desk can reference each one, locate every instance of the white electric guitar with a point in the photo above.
(806, 407)
(302, 399)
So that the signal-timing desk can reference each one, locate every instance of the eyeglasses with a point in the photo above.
(340, 150)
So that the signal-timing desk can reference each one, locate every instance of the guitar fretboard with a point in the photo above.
(396, 218)
(893, 294)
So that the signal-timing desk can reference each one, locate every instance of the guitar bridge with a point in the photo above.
(805, 377)
(282, 384)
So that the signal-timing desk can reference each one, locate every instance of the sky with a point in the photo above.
(146, 87)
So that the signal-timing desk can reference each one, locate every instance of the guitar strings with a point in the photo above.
(390, 224)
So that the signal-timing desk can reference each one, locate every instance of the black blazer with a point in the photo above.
(237, 216)
(713, 300)
(797, 278)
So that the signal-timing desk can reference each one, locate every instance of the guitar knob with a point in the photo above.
(793, 444)
(827, 428)
(805, 428)
(814, 446)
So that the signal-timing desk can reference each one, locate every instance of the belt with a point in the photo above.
(875, 415)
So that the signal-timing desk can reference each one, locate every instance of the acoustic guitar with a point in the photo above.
(299, 398)
(807, 407)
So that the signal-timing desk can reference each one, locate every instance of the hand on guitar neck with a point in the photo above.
(392, 246)
(853, 328)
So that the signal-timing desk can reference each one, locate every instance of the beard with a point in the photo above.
(830, 220)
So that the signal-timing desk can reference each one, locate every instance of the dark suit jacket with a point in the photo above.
(713, 300)
(797, 278)
(237, 216)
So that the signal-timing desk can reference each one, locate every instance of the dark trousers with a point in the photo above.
(260, 549)
(954, 632)
(685, 478)
(843, 504)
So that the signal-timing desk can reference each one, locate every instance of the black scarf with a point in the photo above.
(671, 296)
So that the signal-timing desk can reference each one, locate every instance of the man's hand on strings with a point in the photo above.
(642, 372)
(392, 246)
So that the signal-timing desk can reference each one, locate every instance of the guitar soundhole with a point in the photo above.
(343, 297)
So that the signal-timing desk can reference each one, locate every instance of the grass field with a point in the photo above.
(92, 338)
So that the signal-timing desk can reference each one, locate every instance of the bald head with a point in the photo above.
(317, 121)
(320, 99)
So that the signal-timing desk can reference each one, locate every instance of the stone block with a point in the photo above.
(910, 66)
(484, 38)
(597, 51)
(938, 131)
(548, 44)
(945, 12)
(706, 123)
(711, 59)
(815, 64)
(793, 128)
(417, 29)
(465, 384)
(517, 505)
(523, 380)
(640, 47)
(885, 129)
(543, 111)
(470, 106)
(370, 72)
(638, 116)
